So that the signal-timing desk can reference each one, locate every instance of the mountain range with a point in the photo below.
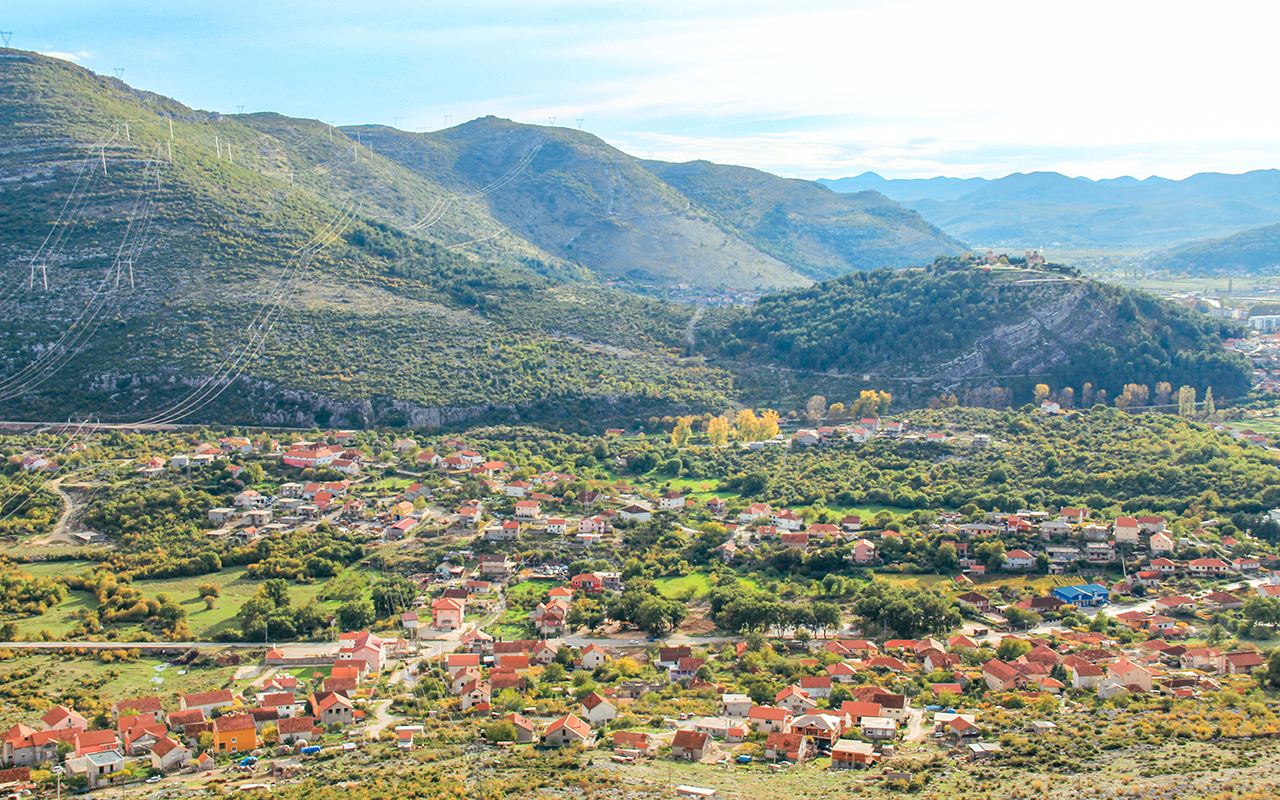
(1047, 208)
(168, 264)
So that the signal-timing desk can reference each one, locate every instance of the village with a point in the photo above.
(845, 699)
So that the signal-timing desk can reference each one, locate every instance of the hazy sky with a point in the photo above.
(909, 88)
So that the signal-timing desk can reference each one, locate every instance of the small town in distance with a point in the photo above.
(475, 594)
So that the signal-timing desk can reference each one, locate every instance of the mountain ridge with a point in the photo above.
(1033, 209)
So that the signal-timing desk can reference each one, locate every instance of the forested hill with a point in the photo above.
(1252, 252)
(928, 330)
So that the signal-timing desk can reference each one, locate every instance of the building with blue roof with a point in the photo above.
(1089, 595)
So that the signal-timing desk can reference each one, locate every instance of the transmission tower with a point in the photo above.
(119, 71)
(239, 109)
(6, 35)
(551, 120)
(579, 123)
(44, 275)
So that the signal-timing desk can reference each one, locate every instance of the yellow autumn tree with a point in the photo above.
(718, 431)
(768, 425)
(746, 428)
(680, 434)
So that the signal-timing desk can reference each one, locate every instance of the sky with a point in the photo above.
(904, 88)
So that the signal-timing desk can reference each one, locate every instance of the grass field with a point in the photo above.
(1266, 426)
(204, 622)
(123, 679)
(700, 582)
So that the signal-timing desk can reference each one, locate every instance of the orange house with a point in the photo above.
(233, 733)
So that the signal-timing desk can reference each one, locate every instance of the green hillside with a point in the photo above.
(952, 327)
(1252, 252)
(272, 269)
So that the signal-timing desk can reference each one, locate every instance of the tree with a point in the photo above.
(658, 615)
(500, 731)
(1262, 610)
(1271, 677)
(945, 558)
(680, 434)
(1018, 617)
(209, 590)
(768, 424)
(1086, 395)
(1011, 649)
(826, 616)
(356, 614)
(814, 408)
(171, 614)
(1067, 397)
(1041, 393)
(836, 414)
(1163, 390)
(718, 431)
(1186, 401)
(1209, 409)
(746, 428)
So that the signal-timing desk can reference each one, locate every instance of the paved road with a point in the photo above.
(381, 720)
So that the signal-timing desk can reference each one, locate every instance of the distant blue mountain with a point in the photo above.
(906, 189)
(1038, 208)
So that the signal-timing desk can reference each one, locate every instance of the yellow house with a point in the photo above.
(233, 733)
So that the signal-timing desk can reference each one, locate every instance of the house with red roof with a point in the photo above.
(1000, 677)
(168, 755)
(1019, 559)
(768, 719)
(787, 520)
(1241, 662)
(296, 729)
(791, 747)
(363, 647)
(61, 718)
(597, 709)
(1208, 566)
(86, 742)
(207, 701)
(332, 707)
(568, 730)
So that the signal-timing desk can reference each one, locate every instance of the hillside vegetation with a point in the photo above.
(948, 326)
(1252, 252)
